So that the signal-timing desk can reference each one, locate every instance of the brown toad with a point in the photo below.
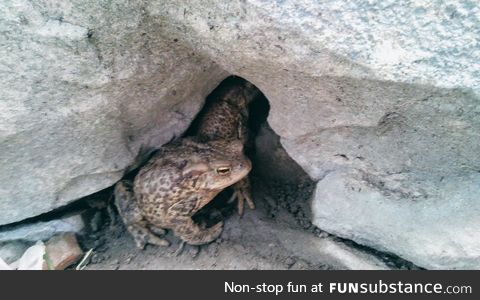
(178, 181)
(225, 118)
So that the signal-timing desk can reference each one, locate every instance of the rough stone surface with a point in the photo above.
(377, 100)
(4, 266)
(12, 251)
(84, 85)
(434, 233)
(62, 251)
(41, 231)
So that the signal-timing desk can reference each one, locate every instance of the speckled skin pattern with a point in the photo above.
(227, 114)
(179, 180)
(226, 119)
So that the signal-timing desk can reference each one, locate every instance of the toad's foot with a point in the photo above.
(242, 192)
(143, 236)
(194, 251)
(193, 234)
(157, 230)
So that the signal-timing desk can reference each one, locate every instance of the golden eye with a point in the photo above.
(223, 170)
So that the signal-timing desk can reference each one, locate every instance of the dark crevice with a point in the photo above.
(97, 200)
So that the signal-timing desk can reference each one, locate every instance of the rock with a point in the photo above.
(32, 259)
(406, 180)
(84, 87)
(12, 251)
(431, 233)
(42, 230)
(62, 251)
(4, 266)
(267, 42)
(290, 261)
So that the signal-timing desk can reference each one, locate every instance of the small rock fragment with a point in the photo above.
(12, 251)
(290, 261)
(4, 266)
(62, 251)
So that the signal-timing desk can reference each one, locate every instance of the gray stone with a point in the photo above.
(84, 86)
(408, 182)
(12, 251)
(42, 231)
(417, 42)
(438, 233)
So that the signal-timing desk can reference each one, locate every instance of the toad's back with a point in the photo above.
(226, 115)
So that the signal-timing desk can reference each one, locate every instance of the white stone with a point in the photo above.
(32, 259)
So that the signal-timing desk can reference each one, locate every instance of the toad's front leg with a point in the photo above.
(242, 192)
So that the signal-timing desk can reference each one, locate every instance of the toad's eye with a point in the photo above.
(223, 170)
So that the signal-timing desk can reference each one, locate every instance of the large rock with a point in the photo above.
(377, 100)
(84, 85)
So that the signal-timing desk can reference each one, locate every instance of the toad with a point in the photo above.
(180, 179)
